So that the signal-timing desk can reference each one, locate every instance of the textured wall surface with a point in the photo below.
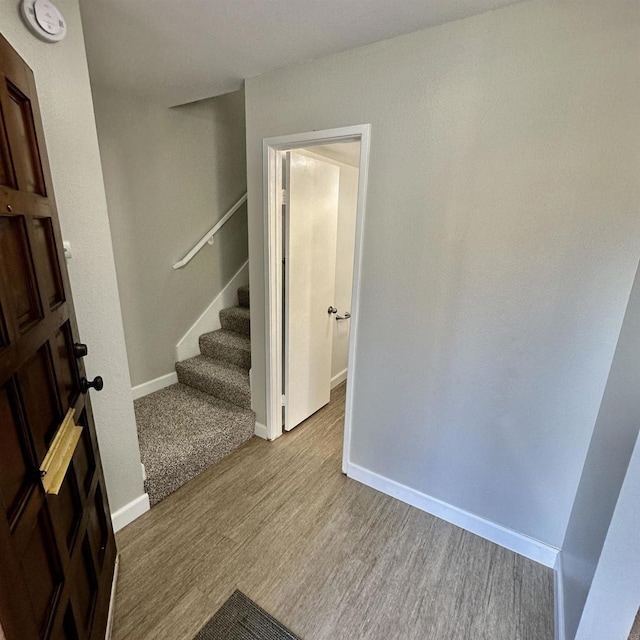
(170, 174)
(502, 229)
(62, 80)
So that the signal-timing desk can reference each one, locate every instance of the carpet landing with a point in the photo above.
(240, 618)
(182, 432)
(187, 427)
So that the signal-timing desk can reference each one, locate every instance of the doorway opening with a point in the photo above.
(315, 190)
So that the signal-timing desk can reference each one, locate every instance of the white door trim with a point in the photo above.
(272, 192)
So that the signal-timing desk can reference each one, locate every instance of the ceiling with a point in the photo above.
(173, 52)
(345, 152)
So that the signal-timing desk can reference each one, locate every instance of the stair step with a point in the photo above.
(243, 295)
(226, 345)
(182, 432)
(236, 319)
(220, 379)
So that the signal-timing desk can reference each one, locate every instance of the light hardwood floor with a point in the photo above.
(327, 556)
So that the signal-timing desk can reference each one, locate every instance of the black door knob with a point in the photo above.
(96, 384)
(80, 350)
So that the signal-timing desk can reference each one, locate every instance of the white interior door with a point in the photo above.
(311, 222)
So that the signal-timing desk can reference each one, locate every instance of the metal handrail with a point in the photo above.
(208, 237)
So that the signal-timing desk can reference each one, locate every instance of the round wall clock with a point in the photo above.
(44, 19)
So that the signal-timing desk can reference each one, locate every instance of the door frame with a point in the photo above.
(272, 149)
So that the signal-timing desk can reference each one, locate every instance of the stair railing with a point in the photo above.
(208, 238)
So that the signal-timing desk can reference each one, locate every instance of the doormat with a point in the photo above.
(240, 618)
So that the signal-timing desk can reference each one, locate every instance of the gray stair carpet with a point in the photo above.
(236, 319)
(182, 432)
(187, 427)
(228, 346)
(217, 378)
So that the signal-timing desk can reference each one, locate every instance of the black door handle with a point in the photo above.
(97, 384)
(80, 350)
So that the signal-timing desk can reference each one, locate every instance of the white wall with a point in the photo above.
(612, 444)
(63, 87)
(170, 175)
(501, 239)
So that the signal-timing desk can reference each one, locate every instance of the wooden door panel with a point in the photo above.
(37, 386)
(4, 335)
(83, 461)
(28, 204)
(43, 246)
(16, 458)
(57, 552)
(86, 584)
(69, 628)
(7, 175)
(41, 559)
(68, 508)
(18, 274)
(65, 366)
(98, 528)
(23, 142)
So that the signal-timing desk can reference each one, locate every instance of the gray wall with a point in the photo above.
(611, 446)
(502, 229)
(170, 174)
(615, 592)
(64, 93)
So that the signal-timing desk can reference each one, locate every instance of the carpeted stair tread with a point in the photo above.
(236, 319)
(243, 296)
(220, 379)
(182, 432)
(228, 346)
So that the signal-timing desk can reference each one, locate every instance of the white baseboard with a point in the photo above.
(338, 378)
(512, 540)
(558, 588)
(209, 319)
(261, 431)
(156, 384)
(127, 514)
(112, 600)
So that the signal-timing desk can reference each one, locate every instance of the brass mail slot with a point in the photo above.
(56, 462)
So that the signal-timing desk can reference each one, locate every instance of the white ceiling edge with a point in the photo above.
(174, 53)
(341, 152)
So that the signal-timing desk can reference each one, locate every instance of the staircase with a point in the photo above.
(187, 427)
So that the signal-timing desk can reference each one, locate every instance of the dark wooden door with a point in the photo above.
(57, 552)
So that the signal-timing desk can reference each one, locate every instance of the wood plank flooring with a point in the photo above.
(327, 556)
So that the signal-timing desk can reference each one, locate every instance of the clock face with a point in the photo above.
(44, 19)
